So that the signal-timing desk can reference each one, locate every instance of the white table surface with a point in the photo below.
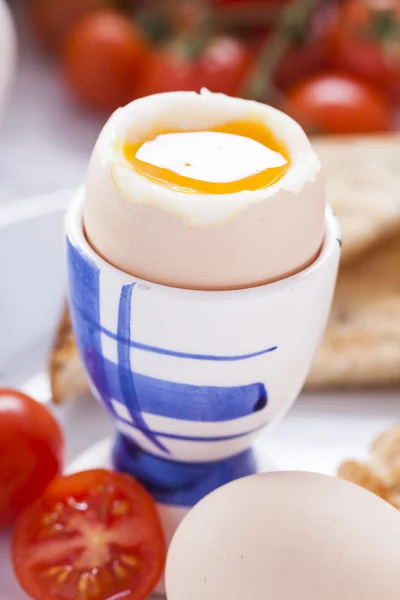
(45, 136)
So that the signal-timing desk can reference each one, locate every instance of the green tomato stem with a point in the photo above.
(293, 17)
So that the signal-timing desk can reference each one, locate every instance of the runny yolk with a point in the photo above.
(256, 180)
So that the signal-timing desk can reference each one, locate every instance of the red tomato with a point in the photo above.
(222, 67)
(361, 57)
(370, 60)
(103, 55)
(31, 450)
(367, 42)
(167, 71)
(52, 19)
(338, 103)
(300, 62)
(247, 3)
(254, 17)
(93, 535)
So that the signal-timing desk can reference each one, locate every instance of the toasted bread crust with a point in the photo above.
(67, 377)
(362, 342)
(362, 176)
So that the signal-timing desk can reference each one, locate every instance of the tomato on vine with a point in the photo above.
(367, 42)
(103, 55)
(338, 103)
(221, 66)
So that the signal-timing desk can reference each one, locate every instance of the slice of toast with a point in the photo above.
(362, 342)
(67, 377)
(362, 182)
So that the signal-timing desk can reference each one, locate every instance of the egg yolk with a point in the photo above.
(247, 148)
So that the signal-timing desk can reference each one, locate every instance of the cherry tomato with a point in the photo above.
(93, 535)
(361, 57)
(338, 103)
(300, 62)
(52, 19)
(167, 71)
(221, 67)
(247, 3)
(367, 42)
(103, 55)
(224, 65)
(31, 450)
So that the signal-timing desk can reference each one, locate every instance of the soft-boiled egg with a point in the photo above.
(286, 536)
(204, 191)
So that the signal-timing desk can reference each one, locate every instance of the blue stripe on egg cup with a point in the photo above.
(131, 396)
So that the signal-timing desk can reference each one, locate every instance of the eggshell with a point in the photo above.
(197, 241)
(287, 536)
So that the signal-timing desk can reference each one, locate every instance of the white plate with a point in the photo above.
(316, 435)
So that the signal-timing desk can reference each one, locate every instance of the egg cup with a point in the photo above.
(191, 378)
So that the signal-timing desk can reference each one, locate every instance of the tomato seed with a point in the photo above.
(94, 588)
(55, 570)
(63, 576)
(120, 508)
(119, 570)
(49, 519)
(130, 560)
(83, 583)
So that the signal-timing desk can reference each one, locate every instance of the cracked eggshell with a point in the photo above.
(287, 536)
(196, 241)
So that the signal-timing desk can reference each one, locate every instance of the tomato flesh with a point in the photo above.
(94, 535)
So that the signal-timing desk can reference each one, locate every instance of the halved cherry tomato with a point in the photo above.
(221, 67)
(338, 103)
(94, 535)
(31, 452)
(102, 56)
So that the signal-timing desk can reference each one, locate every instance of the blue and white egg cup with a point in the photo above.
(192, 377)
